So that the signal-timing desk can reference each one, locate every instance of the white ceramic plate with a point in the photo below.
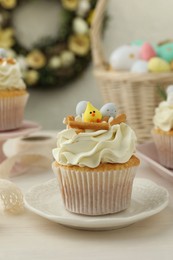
(147, 199)
(148, 153)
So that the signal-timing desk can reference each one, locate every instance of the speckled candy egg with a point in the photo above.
(109, 109)
(3, 53)
(80, 108)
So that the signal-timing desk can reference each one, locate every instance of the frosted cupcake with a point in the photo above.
(13, 95)
(95, 162)
(163, 130)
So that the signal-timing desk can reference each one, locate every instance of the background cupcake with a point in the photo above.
(163, 130)
(95, 162)
(13, 95)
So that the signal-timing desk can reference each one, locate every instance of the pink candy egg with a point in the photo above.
(147, 52)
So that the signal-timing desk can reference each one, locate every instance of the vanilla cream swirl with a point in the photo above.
(90, 149)
(10, 76)
(163, 118)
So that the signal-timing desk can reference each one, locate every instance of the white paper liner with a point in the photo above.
(164, 145)
(12, 111)
(95, 193)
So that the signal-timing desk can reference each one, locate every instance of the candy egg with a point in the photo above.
(3, 53)
(158, 65)
(165, 51)
(171, 65)
(124, 57)
(109, 109)
(81, 107)
(137, 43)
(169, 92)
(169, 89)
(147, 52)
(140, 66)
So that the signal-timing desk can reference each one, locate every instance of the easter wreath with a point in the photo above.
(51, 62)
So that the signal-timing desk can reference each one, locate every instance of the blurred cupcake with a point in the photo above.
(13, 95)
(163, 130)
(95, 162)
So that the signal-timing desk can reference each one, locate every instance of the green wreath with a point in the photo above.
(52, 62)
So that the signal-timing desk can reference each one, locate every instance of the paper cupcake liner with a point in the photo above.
(95, 193)
(164, 145)
(12, 111)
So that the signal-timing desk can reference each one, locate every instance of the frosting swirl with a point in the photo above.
(10, 76)
(91, 148)
(163, 118)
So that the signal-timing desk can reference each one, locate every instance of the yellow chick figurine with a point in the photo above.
(92, 114)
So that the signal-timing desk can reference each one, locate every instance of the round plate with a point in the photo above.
(147, 199)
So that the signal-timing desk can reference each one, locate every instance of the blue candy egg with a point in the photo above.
(3, 53)
(80, 108)
(165, 51)
(109, 109)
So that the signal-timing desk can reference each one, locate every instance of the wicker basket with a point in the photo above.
(135, 94)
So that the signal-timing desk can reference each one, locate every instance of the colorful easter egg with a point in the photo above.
(137, 43)
(147, 52)
(140, 66)
(165, 51)
(124, 57)
(169, 89)
(157, 64)
(3, 53)
(171, 64)
(169, 92)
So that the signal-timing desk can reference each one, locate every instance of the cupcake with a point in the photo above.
(94, 161)
(163, 130)
(13, 95)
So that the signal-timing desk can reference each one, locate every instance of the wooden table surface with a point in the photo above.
(31, 237)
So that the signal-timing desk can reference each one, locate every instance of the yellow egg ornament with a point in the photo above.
(157, 64)
(92, 114)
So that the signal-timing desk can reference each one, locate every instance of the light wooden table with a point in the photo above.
(31, 237)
